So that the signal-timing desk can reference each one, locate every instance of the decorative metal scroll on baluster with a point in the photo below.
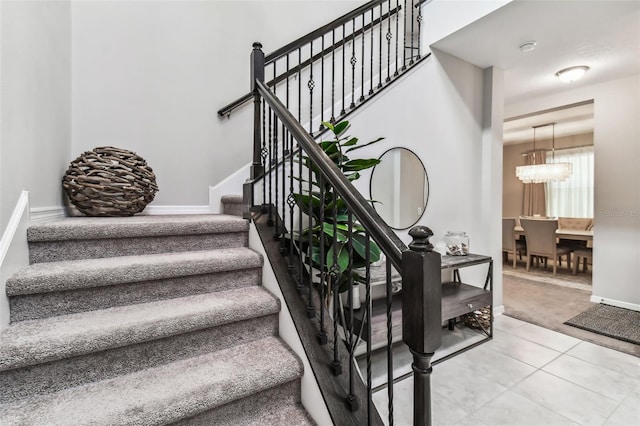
(345, 63)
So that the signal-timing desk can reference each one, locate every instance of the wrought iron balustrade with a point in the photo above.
(323, 77)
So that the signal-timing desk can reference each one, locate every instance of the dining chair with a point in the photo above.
(511, 245)
(540, 235)
(582, 253)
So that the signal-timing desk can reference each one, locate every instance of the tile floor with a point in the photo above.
(528, 375)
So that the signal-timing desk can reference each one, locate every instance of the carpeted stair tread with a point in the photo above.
(88, 273)
(232, 204)
(77, 228)
(232, 198)
(165, 394)
(36, 341)
(278, 406)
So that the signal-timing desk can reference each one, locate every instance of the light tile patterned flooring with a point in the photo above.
(528, 375)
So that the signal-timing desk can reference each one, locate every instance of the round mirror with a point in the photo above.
(399, 188)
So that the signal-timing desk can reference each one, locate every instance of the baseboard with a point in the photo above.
(618, 303)
(232, 184)
(46, 214)
(162, 210)
(498, 310)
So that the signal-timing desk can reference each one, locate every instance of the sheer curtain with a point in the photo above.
(574, 196)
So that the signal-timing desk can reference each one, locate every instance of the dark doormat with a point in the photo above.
(619, 323)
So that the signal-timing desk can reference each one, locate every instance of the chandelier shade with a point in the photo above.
(547, 172)
(543, 173)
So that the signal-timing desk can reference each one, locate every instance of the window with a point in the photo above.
(574, 196)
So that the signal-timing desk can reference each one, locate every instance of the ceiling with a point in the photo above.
(602, 34)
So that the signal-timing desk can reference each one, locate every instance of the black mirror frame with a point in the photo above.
(426, 175)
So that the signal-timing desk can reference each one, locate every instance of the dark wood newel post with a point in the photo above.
(257, 168)
(421, 316)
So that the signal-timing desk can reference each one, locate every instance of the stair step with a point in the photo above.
(37, 341)
(165, 394)
(94, 237)
(57, 288)
(232, 204)
(278, 406)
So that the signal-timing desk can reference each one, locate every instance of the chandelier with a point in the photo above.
(545, 172)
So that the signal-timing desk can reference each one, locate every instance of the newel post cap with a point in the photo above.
(421, 235)
(257, 45)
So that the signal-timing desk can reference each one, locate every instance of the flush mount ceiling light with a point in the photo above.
(569, 75)
(545, 172)
(528, 46)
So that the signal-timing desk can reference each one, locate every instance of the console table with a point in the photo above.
(458, 298)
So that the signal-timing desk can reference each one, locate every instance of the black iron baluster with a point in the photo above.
(299, 84)
(362, 64)
(311, 312)
(269, 204)
(300, 243)
(380, 49)
(352, 401)
(419, 19)
(371, 59)
(285, 152)
(264, 153)
(274, 164)
(322, 334)
(404, 38)
(311, 84)
(353, 62)
(321, 83)
(367, 248)
(344, 47)
(333, 76)
(412, 21)
(389, 343)
(397, 36)
(389, 37)
(336, 364)
(300, 254)
(291, 202)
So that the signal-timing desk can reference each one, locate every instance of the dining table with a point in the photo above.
(567, 234)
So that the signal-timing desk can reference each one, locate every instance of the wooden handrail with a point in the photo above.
(291, 47)
(381, 233)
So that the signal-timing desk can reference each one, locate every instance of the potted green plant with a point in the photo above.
(330, 215)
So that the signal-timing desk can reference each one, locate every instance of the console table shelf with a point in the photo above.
(458, 298)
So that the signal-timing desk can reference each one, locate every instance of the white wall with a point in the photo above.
(150, 76)
(616, 238)
(444, 17)
(35, 73)
(462, 156)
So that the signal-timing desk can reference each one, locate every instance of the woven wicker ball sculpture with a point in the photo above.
(109, 181)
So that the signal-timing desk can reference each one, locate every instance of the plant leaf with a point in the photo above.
(350, 142)
(360, 164)
(362, 146)
(353, 176)
(328, 125)
(342, 257)
(359, 246)
(340, 127)
(328, 229)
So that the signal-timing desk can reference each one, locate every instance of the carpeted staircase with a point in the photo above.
(145, 320)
